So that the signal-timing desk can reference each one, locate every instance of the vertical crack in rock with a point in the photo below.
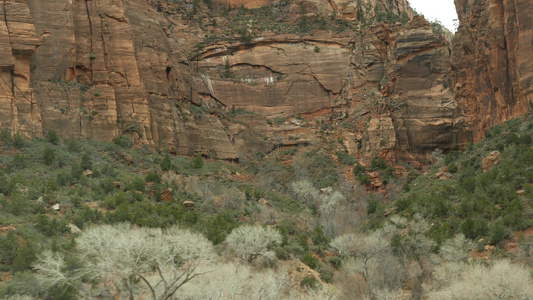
(13, 67)
(90, 37)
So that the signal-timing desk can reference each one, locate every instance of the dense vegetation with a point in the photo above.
(488, 205)
(54, 193)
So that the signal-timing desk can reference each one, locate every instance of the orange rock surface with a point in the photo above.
(105, 68)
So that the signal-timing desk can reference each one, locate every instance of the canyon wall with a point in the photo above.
(492, 61)
(231, 81)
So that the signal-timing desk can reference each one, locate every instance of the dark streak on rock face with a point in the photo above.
(132, 69)
(492, 61)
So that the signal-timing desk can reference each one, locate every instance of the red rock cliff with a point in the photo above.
(228, 82)
(493, 60)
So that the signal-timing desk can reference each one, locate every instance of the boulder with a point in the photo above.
(73, 228)
(491, 160)
(166, 195)
(189, 205)
(264, 202)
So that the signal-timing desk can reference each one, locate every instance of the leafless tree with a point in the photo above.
(304, 191)
(329, 203)
(360, 250)
(501, 280)
(249, 241)
(132, 260)
(456, 248)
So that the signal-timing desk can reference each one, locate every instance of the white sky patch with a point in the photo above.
(441, 10)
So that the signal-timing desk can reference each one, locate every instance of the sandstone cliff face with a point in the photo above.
(414, 110)
(492, 63)
(178, 75)
(18, 42)
(105, 68)
(354, 10)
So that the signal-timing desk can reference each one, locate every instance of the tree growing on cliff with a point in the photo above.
(129, 260)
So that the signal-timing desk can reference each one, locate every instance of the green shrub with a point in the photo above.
(440, 232)
(145, 213)
(326, 275)
(377, 163)
(107, 184)
(525, 139)
(8, 247)
(373, 205)
(511, 138)
(5, 136)
(26, 255)
(403, 204)
(152, 176)
(289, 226)
(166, 163)
(284, 236)
(86, 161)
(474, 228)
(73, 145)
(227, 70)
(123, 141)
(19, 161)
(302, 241)
(51, 186)
(49, 156)
(112, 201)
(52, 137)
(18, 204)
(86, 215)
(318, 237)
(18, 142)
(451, 157)
(309, 260)
(345, 158)
(358, 169)
(136, 184)
(217, 227)
(282, 253)
(498, 232)
(198, 162)
(309, 282)
(109, 170)
(133, 127)
(51, 226)
(323, 170)
(364, 179)
(452, 168)
(26, 284)
(76, 171)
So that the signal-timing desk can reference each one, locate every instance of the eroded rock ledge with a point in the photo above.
(152, 70)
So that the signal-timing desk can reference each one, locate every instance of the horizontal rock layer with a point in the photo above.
(105, 68)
